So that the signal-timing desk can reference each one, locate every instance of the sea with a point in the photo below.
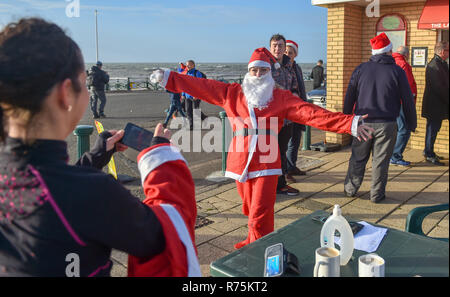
(211, 70)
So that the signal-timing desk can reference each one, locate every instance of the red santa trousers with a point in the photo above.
(258, 200)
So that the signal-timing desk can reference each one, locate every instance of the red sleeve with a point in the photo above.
(211, 91)
(310, 114)
(412, 82)
(166, 180)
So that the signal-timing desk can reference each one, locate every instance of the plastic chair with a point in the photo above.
(417, 215)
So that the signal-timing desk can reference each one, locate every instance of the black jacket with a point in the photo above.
(317, 75)
(99, 78)
(50, 210)
(435, 103)
(380, 88)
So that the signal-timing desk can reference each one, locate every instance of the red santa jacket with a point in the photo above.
(401, 61)
(257, 155)
(170, 192)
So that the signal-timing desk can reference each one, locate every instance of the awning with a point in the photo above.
(434, 15)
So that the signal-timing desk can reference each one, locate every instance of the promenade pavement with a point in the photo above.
(221, 223)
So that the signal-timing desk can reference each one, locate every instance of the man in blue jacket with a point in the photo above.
(378, 88)
(192, 103)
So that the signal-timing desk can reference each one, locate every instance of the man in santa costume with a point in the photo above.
(170, 193)
(256, 111)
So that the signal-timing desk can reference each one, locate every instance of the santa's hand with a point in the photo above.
(365, 132)
(157, 76)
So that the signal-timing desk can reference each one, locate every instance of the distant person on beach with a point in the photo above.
(435, 104)
(285, 78)
(175, 106)
(192, 103)
(97, 80)
(256, 111)
(403, 132)
(317, 74)
(60, 220)
(297, 129)
(380, 89)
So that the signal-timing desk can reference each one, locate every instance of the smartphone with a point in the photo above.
(356, 227)
(136, 137)
(273, 260)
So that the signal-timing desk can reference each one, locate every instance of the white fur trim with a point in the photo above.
(383, 50)
(292, 45)
(165, 78)
(277, 65)
(253, 143)
(156, 157)
(183, 234)
(253, 174)
(355, 126)
(258, 63)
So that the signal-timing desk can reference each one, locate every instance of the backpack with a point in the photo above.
(201, 73)
(90, 79)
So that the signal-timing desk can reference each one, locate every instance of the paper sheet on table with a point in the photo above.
(368, 238)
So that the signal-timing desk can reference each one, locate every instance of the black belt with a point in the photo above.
(247, 132)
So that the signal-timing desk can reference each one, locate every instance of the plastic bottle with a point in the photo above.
(337, 222)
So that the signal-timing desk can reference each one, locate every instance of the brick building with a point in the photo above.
(418, 24)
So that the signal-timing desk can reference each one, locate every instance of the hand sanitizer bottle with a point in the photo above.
(337, 222)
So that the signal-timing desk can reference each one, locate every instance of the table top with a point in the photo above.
(405, 254)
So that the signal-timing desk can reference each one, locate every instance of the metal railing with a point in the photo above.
(143, 83)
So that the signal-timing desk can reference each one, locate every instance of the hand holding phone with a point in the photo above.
(136, 137)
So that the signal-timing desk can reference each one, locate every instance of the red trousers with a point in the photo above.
(258, 199)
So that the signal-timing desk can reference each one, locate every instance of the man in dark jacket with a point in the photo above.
(97, 80)
(435, 99)
(317, 74)
(378, 88)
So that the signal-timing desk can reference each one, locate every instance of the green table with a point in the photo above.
(405, 254)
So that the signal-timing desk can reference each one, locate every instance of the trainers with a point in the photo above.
(102, 115)
(378, 200)
(400, 162)
(435, 161)
(296, 171)
(290, 191)
(290, 178)
(95, 116)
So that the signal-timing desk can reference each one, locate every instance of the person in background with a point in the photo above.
(284, 78)
(256, 111)
(435, 105)
(175, 106)
(97, 80)
(52, 213)
(317, 74)
(294, 141)
(380, 89)
(403, 131)
(192, 103)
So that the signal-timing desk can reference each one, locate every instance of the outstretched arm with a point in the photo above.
(211, 91)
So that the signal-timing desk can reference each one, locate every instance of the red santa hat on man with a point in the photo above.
(261, 57)
(380, 44)
(292, 44)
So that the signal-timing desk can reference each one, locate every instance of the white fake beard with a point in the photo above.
(258, 90)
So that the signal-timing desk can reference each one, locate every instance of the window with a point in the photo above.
(394, 25)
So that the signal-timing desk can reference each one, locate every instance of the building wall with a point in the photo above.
(355, 25)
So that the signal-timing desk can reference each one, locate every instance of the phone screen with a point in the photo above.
(273, 266)
(136, 137)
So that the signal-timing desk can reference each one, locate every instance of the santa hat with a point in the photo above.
(261, 57)
(292, 44)
(380, 44)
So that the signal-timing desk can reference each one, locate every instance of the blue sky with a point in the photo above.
(175, 30)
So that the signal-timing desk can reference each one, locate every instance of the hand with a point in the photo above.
(157, 76)
(162, 132)
(112, 142)
(363, 131)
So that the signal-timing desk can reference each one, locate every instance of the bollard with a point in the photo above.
(307, 135)
(223, 116)
(83, 132)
